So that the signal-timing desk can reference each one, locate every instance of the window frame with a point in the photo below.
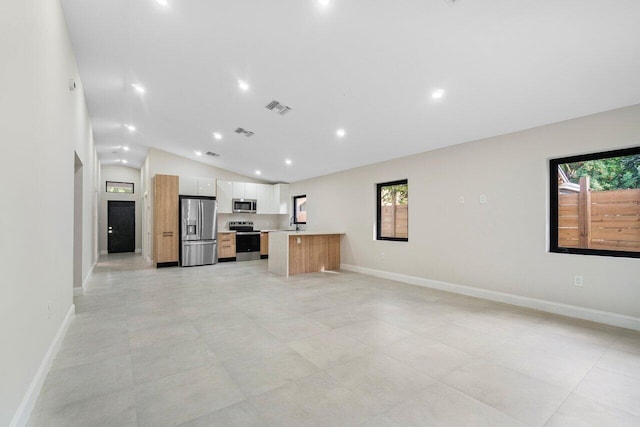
(106, 187)
(295, 209)
(554, 200)
(379, 187)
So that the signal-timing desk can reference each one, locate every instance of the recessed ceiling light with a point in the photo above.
(258, 172)
(125, 148)
(437, 94)
(123, 161)
(138, 88)
(131, 128)
(287, 161)
(164, 3)
(198, 153)
(217, 136)
(324, 3)
(244, 86)
(341, 133)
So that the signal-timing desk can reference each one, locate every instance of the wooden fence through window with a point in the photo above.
(395, 221)
(606, 220)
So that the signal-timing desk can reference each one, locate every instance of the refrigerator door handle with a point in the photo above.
(200, 221)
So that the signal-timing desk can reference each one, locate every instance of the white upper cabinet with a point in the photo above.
(188, 185)
(238, 190)
(225, 192)
(207, 187)
(282, 198)
(197, 186)
(265, 199)
(271, 199)
(245, 190)
(250, 190)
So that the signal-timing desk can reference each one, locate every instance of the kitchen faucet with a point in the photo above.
(291, 223)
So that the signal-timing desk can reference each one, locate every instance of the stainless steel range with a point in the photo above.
(247, 240)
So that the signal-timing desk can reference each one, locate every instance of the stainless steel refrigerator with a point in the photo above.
(198, 230)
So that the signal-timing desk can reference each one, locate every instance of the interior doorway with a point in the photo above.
(77, 222)
(121, 226)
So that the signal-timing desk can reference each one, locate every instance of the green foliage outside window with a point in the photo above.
(394, 193)
(615, 173)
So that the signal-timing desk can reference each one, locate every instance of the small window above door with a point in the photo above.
(119, 187)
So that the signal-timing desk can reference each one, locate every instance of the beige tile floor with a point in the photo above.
(232, 345)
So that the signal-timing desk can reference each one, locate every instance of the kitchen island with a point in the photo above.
(296, 252)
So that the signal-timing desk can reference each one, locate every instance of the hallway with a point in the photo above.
(231, 344)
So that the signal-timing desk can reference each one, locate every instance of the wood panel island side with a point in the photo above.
(303, 252)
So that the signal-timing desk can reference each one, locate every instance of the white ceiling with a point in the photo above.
(368, 66)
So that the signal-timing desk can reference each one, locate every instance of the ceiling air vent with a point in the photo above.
(209, 153)
(276, 107)
(451, 2)
(244, 132)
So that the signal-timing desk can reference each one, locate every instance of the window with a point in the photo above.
(119, 187)
(300, 209)
(595, 204)
(393, 211)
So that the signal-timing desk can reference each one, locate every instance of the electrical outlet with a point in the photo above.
(461, 199)
(577, 281)
(483, 199)
(299, 240)
(49, 309)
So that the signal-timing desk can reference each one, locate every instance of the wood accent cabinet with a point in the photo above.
(165, 220)
(226, 246)
(264, 245)
(311, 253)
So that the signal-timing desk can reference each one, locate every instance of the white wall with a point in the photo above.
(169, 164)
(42, 124)
(498, 246)
(161, 162)
(119, 174)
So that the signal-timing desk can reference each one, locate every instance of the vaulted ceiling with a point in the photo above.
(368, 67)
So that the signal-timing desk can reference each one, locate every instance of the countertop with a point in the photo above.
(292, 232)
(309, 233)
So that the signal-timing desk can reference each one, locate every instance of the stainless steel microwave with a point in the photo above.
(244, 205)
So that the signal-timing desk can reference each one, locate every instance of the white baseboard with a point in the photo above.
(104, 252)
(23, 412)
(584, 313)
(86, 279)
(138, 250)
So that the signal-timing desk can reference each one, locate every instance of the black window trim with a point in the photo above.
(379, 210)
(553, 203)
(295, 209)
(106, 187)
